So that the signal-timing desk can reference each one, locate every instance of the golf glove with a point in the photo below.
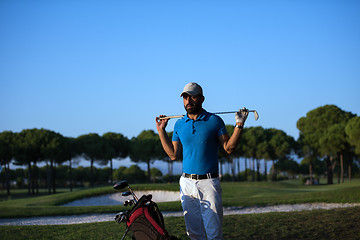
(241, 116)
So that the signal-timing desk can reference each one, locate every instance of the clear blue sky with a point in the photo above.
(79, 67)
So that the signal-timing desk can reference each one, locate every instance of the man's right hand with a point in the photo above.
(161, 123)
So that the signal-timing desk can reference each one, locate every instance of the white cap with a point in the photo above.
(192, 89)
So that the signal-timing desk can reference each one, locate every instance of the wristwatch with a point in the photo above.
(239, 126)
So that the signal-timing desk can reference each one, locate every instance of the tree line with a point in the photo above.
(81, 176)
(327, 134)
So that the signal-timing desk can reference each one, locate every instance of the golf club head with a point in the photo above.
(125, 194)
(121, 217)
(121, 185)
(256, 115)
(127, 202)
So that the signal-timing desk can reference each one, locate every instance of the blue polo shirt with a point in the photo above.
(200, 142)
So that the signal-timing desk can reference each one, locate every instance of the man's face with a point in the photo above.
(193, 104)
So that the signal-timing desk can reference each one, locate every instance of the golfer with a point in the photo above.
(196, 140)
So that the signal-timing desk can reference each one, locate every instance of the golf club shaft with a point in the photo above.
(180, 116)
(133, 194)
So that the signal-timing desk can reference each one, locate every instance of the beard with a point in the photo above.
(193, 108)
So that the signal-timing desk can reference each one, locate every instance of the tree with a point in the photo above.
(69, 152)
(6, 154)
(253, 137)
(28, 151)
(119, 174)
(308, 154)
(352, 130)
(115, 146)
(145, 148)
(266, 150)
(134, 174)
(334, 143)
(155, 173)
(309, 158)
(90, 146)
(281, 146)
(289, 166)
(81, 175)
(317, 166)
(53, 150)
(66, 152)
(314, 126)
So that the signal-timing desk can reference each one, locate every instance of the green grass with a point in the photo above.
(288, 192)
(317, 224)
(234, 194)
(48, 205)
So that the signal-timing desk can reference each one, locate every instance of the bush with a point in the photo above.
(226, 178)
(133, 174)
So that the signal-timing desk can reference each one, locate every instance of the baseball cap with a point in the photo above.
(192, 89)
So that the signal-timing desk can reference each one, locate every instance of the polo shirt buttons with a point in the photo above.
(193, 127)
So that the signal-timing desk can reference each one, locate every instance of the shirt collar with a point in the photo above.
(199, 118)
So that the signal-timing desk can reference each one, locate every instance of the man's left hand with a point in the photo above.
(241, 115)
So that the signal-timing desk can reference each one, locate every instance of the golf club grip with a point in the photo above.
(168, 117)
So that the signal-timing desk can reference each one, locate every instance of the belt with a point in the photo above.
(200, 177)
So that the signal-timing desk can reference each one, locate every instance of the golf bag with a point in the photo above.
(144, 221)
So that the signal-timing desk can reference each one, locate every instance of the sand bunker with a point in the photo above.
(117, 199)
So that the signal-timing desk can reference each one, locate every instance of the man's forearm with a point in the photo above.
(234, 139)
(167, 144)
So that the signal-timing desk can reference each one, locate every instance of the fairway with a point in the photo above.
(316, 224)
(234, 194)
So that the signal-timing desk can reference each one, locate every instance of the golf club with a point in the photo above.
(121, 185)
(125, 194)
(129, 202)
(124, 184)
(121, 217)
(180, 116)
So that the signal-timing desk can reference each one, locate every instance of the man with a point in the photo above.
(197, 137)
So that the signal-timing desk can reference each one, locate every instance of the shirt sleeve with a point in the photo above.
(175, 137)
(221, 127)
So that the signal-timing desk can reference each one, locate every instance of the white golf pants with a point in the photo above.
(202, 205)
